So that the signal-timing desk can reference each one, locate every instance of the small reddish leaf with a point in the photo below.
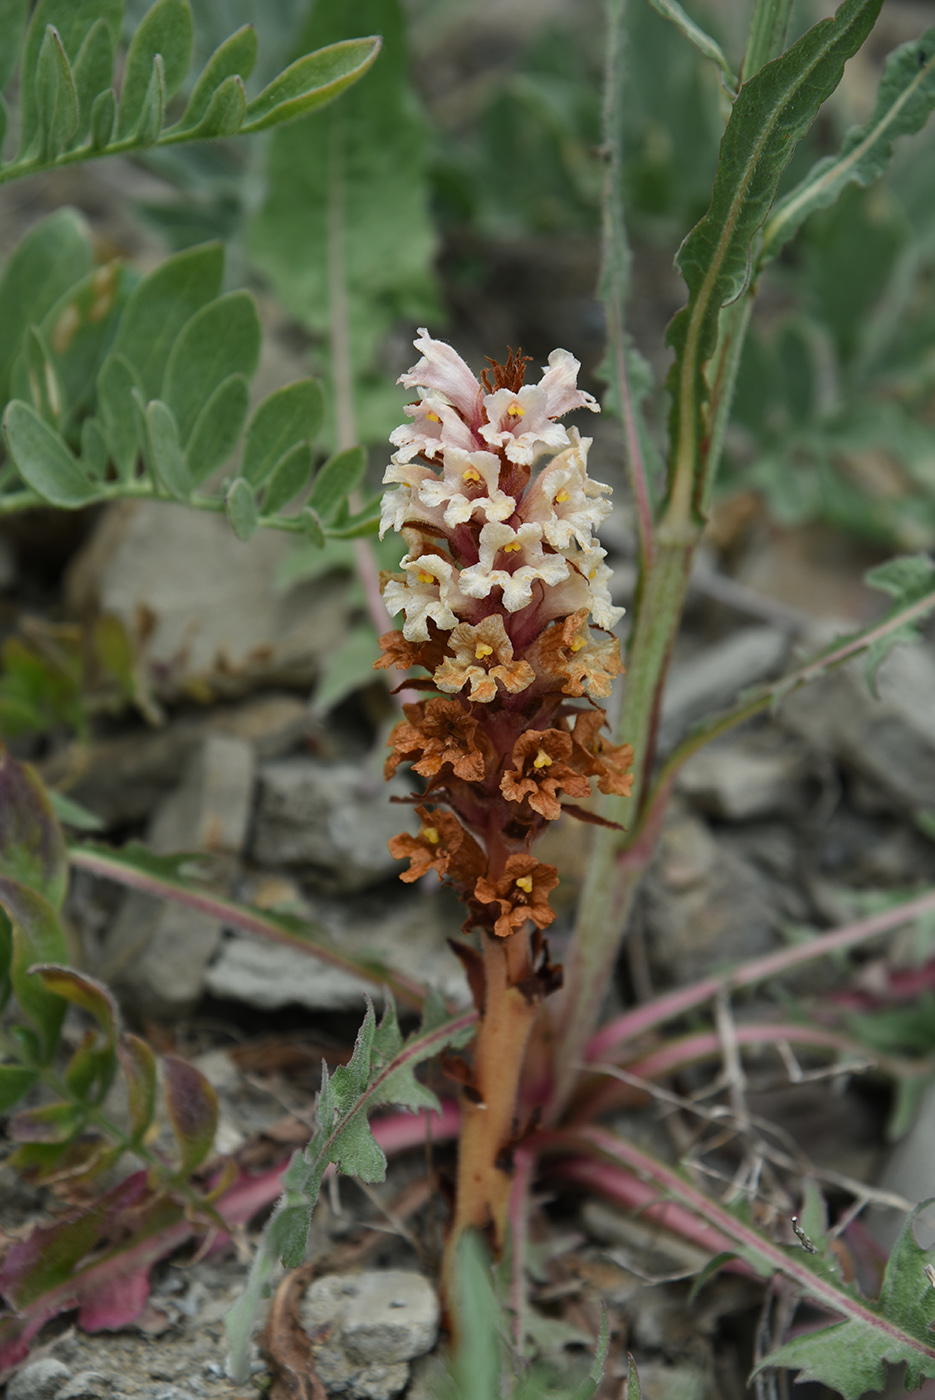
(37, 938)
(32, 847)
(53, 1122)
(139, 1067)
(84, 991)
(192, 1106)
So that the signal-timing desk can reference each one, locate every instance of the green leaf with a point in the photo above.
(339, 476)
(290, 416)
(161, 306)
(235, 57)
(103, 116)
(77, 331)
(139, 1068)
(73, 19)
(93, 72)
(166, 457)
(14, 1083)
(56, 97)
(851, 1356)
(311, 527)
(672, 10)
(348, 668)
(240, 504)
(153, 109)
(224, 117)
(192, 1108)
(53, 1122)
(13, 15)
(37, 938)
(310, 82)
(905, 98)
(908, 579)
(42, 267)
(115, 385)
(588, 1387)
(221, 339)
(217, 428)
(73, 814)
(35, 380)
(290, 475)
(32, 847)
(81, 990)
(43, 460)
(166, 30)
(771, 113)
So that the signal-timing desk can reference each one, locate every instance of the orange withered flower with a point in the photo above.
(541, 770)
(442, 845)
(439, 732)
(522, 892)
(594, 755)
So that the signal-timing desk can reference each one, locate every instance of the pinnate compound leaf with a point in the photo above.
(288, 416)
(851, 1356)
(905, 99)
(909, 579)
(221, 339)
(240, 504)
(217, 428)
(44, 461)
(192, 1106)
(310, 82)
(162, 304)
(771, 113)
(290, 475)
(224, 117)
(72, 19)
(339, 476)
(32, 847)
(56, 97)
(37, 938)
(139, 1070)
(165, 30)
(236, 57)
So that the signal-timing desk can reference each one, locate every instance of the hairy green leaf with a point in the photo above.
(290, 416)
(72, 19)
(334, 482)
(35, 380)
(240, 504)
(153, 109)
(13, 15)
(93, 72)
(165, 30)
(710, 48)
(165, 453)
(71, 813)
(772, 112)
(77, 331)
(56, 97)
(224, 116)
(312, 527)
(217, 428)
(52, 258)
(161, 306)
(43, 459)
(289, 476)
(235, 57)
(103, 116)
(851, 1356)
(905, 99)
(37, 938)
(310, 82)
(115, 385)
(84, 991)
(221, 339)
(32, 847)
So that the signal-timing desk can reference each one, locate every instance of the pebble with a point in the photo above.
(39, 1380)
(379, 1321)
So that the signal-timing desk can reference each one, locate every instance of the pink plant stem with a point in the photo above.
(655, 1013)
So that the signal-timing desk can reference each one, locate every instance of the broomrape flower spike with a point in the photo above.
(500, 586)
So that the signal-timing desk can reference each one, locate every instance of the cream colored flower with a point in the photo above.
(483, 654)
(564, 500)
(427, 589)
(468, 488)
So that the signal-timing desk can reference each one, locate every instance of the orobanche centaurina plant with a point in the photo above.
(501, 583)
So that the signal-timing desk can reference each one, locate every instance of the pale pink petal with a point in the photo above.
(442, 368)
(559, 384)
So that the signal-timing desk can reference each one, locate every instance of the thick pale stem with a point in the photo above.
(489, 1112)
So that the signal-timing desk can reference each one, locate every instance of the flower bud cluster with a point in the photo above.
(502, 582)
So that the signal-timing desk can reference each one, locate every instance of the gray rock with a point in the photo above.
(748, 776)
(219, 619)
(717, 677)
(39, 1380)
(890, 741)
(333, 817)
(366, 1327)
(406, 931)
(86, 1385)
(155, 952)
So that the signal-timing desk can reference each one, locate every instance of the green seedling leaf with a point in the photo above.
(672, 10)
(340, 475)
(240, 504)
(13, 16)
(290, 416)
(159, 308)
(72, 813)
(905, 99)
(165, 453)
(289, 476)
(37, 938)
(154, 105)
(93, 72)
(44, 461)
(771, 113)
(14, 1083)
(56, 97)
(115, 385)
(166, 30)
(221, 339)
(236, 57)
(310, 82)
(851, 1356)
(41, 269)
(139, 1069)
(192, 1107)
(103, 116)
(217, 428)
(81, 990)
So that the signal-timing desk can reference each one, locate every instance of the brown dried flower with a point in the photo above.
(522, 893)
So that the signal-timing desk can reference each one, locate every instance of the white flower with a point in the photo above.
(564, 500)
(430, 590)
(402, 506)
(442, 368)
(459, 489)
(590, 565)
(500, 540)
(435, 425)
(519, 423)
